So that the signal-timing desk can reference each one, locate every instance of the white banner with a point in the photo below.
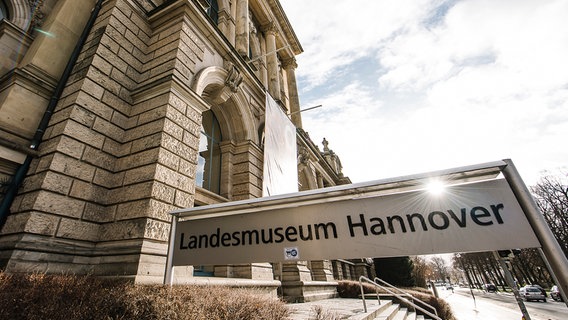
(482, 216)
(280, 173)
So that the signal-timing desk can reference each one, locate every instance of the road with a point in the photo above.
(499, 306)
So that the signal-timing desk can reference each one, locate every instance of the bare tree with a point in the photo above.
(551, 195)
(439, 268)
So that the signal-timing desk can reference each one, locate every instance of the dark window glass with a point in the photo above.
(209, 159)
(3, 10)
(213, 10)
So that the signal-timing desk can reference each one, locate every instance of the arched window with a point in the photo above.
(209, 159)
(3, 11)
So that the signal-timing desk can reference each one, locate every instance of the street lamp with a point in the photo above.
(459, 256)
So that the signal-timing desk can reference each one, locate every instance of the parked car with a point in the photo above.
(490, 287)
(539, 288)
(529, 293)
(555, 294)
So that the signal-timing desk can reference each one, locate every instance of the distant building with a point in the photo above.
(160, 108)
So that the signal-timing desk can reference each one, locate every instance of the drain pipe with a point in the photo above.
(20, 174)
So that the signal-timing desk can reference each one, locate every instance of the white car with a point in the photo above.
(555, 294)
(531, 293)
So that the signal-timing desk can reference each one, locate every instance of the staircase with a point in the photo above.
(393, 311)
(390, 311)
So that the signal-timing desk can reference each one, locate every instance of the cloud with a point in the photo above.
(334, 35)
(416, 86)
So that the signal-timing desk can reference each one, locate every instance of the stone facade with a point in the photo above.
(118, 147)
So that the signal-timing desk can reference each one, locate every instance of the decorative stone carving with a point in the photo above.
(252, 27)
(331, 158)
(269, 28)
(234, 78)
(37, 13)
(303, 155)
(289, 64)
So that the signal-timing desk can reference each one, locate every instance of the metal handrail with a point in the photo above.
(406, 294)
(398, 296)
(363, 291)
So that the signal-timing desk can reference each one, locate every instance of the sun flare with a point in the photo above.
(436, 187)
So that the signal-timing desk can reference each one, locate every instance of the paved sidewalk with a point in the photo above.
(342, 307)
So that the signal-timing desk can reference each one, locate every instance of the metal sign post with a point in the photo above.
(550, 247)
(169, 274)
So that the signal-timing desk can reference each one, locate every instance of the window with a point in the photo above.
(3, 11)
(209, 158)
(211, 8)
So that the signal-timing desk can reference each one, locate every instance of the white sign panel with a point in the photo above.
(482, 216)
(280, 173)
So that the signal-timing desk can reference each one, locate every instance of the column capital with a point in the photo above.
(269, 28)
(290, 63)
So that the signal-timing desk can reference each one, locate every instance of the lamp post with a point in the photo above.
(505, 266)
(459, 256)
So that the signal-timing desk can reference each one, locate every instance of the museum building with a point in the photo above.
(114, 113)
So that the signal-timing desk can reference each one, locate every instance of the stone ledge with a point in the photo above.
(262, 287)
(306, 291)
(231, 282)
(310, 283)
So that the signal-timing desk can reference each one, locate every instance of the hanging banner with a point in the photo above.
(280, 173)
(480, 216)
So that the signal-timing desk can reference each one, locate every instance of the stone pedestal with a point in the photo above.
(321, 270)
(298, 285)
(306, 291)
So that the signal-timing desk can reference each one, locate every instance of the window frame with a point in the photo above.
(208, 171)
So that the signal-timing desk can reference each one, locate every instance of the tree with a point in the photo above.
(421, 271)
(551, 195)
(439, 268)
(396, 271)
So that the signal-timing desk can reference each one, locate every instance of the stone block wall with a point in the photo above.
(121, 148)
(119, 154)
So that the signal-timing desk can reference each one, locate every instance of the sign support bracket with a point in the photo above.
(169, 273)
(552, 252)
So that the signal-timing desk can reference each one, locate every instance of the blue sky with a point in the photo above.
(415, 86)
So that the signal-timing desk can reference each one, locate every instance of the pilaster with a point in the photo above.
(272, 61)
(242, 28)
(290, 66)
(247, 171)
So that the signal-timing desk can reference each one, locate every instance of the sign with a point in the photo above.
(479, 216)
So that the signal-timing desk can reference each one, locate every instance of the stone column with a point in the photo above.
(246, 180)
(272, 61)
(242, 28)
(290, 66)
(263, 66)
(227, 152)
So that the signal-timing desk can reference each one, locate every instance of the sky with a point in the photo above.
(412, 86)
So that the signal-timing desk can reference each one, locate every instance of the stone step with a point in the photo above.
(401, 314)
(388, 313)
(395, 312)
